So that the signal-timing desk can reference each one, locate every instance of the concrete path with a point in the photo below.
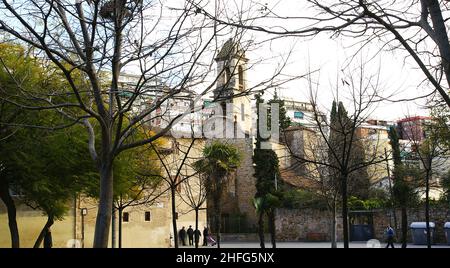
(371, 244)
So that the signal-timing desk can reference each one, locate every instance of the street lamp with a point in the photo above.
(84, 212)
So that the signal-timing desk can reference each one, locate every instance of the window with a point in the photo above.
(298, 115)
(242, 112)
(125, 217)
(147, 216)
(241, 77)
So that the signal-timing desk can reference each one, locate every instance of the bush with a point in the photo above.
(370, 204)
(302, 199)
(355, 204)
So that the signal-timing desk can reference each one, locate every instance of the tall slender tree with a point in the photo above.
(403, 189)
(267, 171)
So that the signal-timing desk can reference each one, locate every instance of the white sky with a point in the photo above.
(329, 56)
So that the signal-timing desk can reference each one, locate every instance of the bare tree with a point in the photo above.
(341, 147)
(175, 161)
(429, 153)
(320, 179)
(194, 195)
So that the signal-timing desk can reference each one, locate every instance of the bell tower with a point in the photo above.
(231, 84)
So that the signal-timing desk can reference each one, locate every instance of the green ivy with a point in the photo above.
(355, 203)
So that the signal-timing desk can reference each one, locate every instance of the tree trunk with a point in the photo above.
(441, 37)
(174, 218)
(261, 229)
(120, 226)
(391, 194)
(103, 221)
(196, 228)
(41, 236)
(333, 226)
(271, 218)
(404, 227)
(344, 211)
(11, 209)
(427, 208)
(113, 228)
(394, 211)
(218, 207)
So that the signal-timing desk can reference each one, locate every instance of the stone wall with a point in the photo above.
(245, 181)
(237, 199)
(304, 225)
(438, 216)
(315, 225)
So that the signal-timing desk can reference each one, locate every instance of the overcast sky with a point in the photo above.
(326, 56)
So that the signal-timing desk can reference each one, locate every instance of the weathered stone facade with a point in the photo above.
(237, 199)
(302, 224)
(314, 224)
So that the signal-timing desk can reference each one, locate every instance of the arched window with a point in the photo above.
(241, 77)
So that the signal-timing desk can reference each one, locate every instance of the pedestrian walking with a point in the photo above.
(190, 233)
(390, 237)
(182, 235)
(197, 235)
(205, 236)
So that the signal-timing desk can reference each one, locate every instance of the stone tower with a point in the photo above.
(232, 85)
(231, 92)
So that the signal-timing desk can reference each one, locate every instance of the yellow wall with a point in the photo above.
(30, 223)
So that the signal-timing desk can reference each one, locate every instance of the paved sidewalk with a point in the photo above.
(317, 245)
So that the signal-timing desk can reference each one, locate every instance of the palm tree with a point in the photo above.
(218, 162)
(266, 205)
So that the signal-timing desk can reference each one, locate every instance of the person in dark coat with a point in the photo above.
(205, 236)
(390, 237)
(48, 243)
(197, 235)
(190, 233)
(182, 235)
